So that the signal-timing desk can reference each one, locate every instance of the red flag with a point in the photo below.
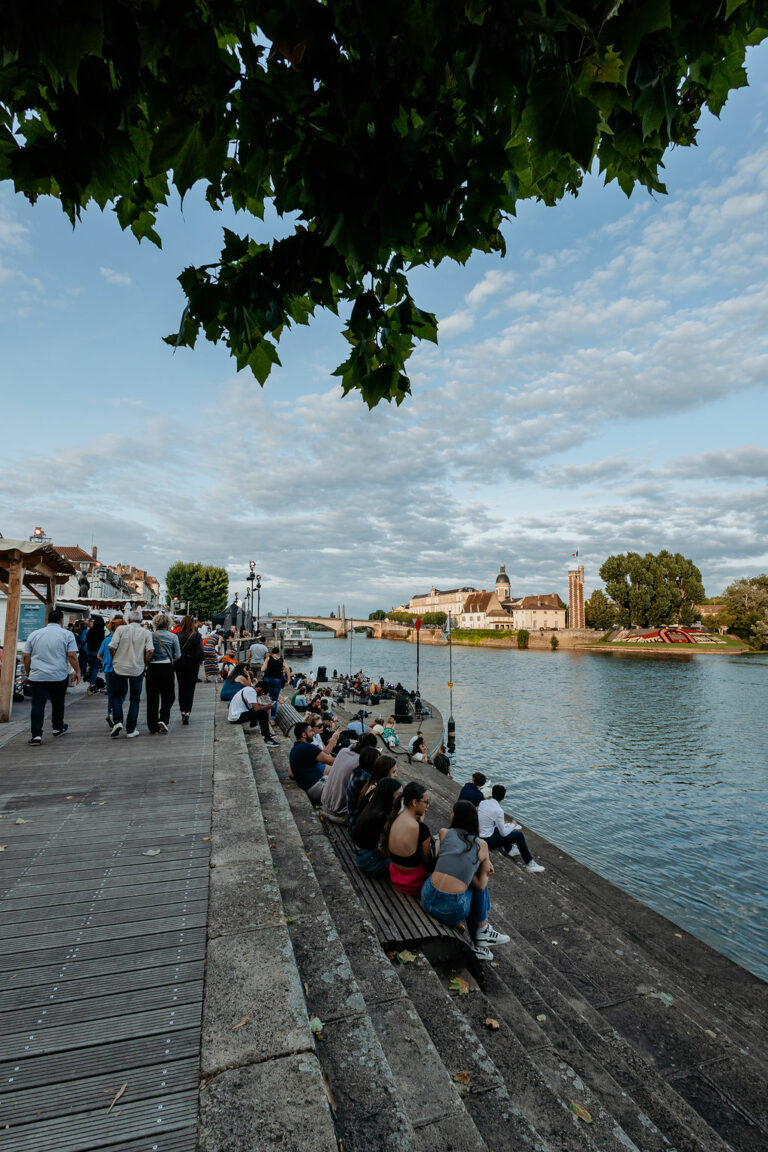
(417, 623)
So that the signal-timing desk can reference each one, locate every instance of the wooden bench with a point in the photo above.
(399, 921)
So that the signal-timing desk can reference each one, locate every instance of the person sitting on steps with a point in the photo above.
(246, 707)
(305, 758)
(238, 678)
(408, 842)
(472, 790)
(457, 891)
(498, 834)
(364, 777)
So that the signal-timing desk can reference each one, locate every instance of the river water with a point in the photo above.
(653, 772)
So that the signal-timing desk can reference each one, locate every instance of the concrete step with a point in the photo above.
(389, 1088)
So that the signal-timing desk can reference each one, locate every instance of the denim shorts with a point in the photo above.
(448, 907)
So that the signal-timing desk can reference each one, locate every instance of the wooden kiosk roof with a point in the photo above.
(25, 564)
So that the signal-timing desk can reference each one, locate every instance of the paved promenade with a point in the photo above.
(104, 885)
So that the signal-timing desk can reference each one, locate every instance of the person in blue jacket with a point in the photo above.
(471, 791)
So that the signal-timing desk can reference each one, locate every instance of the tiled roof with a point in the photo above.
(76, 555)
(551, 600)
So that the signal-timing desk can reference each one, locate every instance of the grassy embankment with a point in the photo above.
(477, 635)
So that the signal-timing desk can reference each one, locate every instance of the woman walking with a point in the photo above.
(457, 891)
(211, 649)
(94, 638)
(161, 689)
(188, 665)
(276, 674)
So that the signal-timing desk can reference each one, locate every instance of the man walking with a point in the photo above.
(258, 652)
(48, 655)
(132, 648)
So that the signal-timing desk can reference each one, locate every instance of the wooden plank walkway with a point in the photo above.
(102, 946)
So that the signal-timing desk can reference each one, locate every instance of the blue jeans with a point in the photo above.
(274, 687)
(472, 905)
(110, 693)
(371, 862)
(120, 686)
(40, 692)
(505, 842)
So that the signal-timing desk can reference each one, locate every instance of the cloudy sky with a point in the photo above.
(602, 388)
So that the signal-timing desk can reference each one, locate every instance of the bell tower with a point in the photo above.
(502, 584)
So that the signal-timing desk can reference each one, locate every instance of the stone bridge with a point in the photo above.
(340, 625)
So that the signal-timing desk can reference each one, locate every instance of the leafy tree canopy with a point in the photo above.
(203, 586)
(599, 612)
(744, 610)
(387, 135)
(649, 590)
(379, 614)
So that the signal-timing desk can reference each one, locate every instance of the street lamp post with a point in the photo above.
(251, 578)
(258, 602)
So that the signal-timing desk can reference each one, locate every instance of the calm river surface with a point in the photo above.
(652, 772)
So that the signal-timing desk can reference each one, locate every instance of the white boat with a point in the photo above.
(295, 639)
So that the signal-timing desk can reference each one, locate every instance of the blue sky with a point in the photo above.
(601, 388)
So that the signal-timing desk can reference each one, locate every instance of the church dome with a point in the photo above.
(502, 577)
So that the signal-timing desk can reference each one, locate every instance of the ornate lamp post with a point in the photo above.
(251, 578)
(258, 602)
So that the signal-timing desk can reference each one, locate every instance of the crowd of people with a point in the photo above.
(354, 782)
(161, 658)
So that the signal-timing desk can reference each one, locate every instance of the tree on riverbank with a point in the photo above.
(744, 610)
(649, 590)
(203, 586)
(379, 614)
(599, 612)
(384, 136)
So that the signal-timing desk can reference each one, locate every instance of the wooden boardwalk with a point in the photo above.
(104, 892)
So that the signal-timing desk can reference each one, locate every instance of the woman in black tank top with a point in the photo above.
(276, 673)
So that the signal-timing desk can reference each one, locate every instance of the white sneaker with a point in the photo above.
(135, 732)
(488, 935)
(116, 729)
(162, 726)
(532, 866)
(510, 853)
(481, 952)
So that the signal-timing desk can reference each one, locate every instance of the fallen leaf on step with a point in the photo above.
(20, 821)
(243, 1020)
(406, 957)
(151, 852)
(117, 1097)
(69, 797)
(709, 1032)
(679, 935)
(492, 1024)
(541, 1017)
(579, 1112)
(462, 1077)
(316, 1026)
(206, 837)
(3, 847)
(458, 984)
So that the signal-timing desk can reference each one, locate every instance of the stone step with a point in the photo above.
(714, 1064)
(537, 1001)
(388, 1086)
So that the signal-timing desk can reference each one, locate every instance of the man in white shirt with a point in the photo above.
(49, 653)
(498, 834)
(132, 648)
(246, 707)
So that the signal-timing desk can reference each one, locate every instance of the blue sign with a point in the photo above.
(31, 616)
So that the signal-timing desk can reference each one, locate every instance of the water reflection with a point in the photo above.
(651, 771)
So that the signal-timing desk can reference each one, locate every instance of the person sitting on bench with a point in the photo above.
(408, 843)
(498, 834)
(457, 891)
(376, 811)
(344, 764)
(305, 758)
(364, 778)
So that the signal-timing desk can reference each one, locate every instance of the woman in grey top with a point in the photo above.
(457, 891)
(161, 685)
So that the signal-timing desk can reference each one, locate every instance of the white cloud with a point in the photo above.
(113, 277)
